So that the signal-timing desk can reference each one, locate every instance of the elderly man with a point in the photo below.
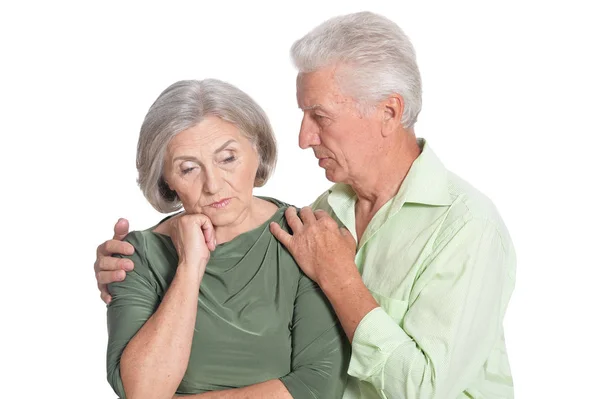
(422, 269)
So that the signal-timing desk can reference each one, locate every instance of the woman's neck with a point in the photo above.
(253, 216)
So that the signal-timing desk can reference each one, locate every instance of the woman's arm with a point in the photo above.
(321, 351)
(155, 360)
(149, 351)
(272, 389)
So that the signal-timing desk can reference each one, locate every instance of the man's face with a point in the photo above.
(344, 140)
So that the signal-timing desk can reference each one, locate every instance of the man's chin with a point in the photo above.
(332, 176)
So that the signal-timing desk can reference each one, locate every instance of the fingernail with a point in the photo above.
(128, 265)
(215, 242)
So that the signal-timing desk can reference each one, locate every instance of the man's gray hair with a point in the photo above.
(375, 58)
(185, 104)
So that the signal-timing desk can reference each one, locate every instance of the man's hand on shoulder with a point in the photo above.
(109, 269)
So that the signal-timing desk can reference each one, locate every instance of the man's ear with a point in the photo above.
(393, 108)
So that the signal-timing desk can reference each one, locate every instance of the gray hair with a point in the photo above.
(376, 57)
(185, 104)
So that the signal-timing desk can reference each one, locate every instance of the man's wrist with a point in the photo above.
(341, 280)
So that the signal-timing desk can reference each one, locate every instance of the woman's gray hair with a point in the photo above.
(375, 56)
(185, 104)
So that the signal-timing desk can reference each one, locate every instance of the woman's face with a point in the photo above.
(212, 168)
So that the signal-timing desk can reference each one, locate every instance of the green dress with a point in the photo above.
(259, 317)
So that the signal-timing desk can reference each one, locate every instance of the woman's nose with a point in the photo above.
(213, 181)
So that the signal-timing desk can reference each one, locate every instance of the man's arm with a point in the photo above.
(450, 326)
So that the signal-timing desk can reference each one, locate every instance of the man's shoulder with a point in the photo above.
(322, 201)
(469, 205)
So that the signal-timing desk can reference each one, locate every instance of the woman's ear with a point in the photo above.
(165, 190)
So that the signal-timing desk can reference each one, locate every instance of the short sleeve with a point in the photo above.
(134, 300)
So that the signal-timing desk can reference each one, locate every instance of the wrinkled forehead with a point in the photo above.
(320, 89)
(206, 136)
(316, 87)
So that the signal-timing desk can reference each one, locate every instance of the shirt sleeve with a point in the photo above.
(320, 349)
(134, 300)
(452, 323)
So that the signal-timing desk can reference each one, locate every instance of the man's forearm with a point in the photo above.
(350, 299)
(272, 389)
(155, 360)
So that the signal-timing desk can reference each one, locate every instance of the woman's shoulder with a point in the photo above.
(140, 239)
(154, 257)
(150, 246)
(279, 203)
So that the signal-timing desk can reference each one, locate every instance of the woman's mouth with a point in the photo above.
(220, 204)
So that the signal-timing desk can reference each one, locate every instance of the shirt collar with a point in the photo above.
(426, 183)
(427, 180)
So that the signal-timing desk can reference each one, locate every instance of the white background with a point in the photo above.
(510, 103)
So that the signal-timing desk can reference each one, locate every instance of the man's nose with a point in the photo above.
(309, 133)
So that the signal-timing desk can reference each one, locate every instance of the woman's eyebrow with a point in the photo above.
(192, 158)
(186, 158)
(221, 148)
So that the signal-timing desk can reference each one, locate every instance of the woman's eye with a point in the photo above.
(229, 159)
(187, 170)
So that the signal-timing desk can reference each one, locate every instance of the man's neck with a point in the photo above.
(385, 176)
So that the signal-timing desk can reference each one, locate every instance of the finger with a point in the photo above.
(307, 215)
(281, 235)
(109, 263)
(348, 236)
(320, 214)
(107, 277)
(209, 233)
(293, 220)
(121, 229)
(324, 218)
(104, 294)
(112, 247)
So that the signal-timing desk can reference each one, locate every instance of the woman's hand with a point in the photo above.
(194, 237)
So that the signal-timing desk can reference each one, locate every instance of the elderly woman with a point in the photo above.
(215, 302)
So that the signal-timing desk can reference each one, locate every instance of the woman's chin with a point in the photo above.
(220, 217)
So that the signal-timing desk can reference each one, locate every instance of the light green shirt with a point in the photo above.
(440, 263)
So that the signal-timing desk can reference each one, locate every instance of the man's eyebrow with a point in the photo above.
(316, 107)
(311, 107)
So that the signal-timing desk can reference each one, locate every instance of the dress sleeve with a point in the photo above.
(134, 300)
(320, 349)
